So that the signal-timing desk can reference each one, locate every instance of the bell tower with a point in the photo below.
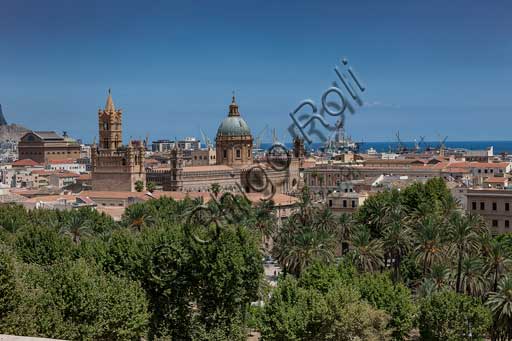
(115, 167)
(110, 125)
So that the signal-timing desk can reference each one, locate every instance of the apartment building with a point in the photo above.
(494, 205)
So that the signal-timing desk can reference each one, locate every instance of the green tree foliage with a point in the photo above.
(12, 217)
(8, 294)
(144, 276)
(450, 316)
(150, 186)
(500, 303)
(139, 185)
(42, 245)
(74, 300)
(196, 289)
(396, 300)
(297, 313)
(309, 235)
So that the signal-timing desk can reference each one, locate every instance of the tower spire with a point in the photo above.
(109, 106)
(233, 107)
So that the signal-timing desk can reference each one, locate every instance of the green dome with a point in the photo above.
(233, 126)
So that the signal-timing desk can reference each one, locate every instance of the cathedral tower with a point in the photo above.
(115, 167)
(110, 125)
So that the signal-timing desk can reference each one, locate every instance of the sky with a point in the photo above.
(430, 68)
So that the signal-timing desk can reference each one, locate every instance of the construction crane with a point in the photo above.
(206, 140)
(257, 140)
(417, 145)
(401, 148)
(442, 144)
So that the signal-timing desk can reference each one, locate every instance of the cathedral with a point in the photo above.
(118, 167)
(234, 166)
(115, 167)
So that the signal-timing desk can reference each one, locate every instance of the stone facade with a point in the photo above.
(45, 146)
(115, 167)
(494, 205)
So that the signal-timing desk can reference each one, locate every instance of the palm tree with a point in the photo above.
(472, 279)
(345, 229)
(500, 303)
(138, 216)
(463, 239)
(215, 189)
(397, 241)
(150, 186)
(139, 185)
(429, 243)
(75, 227)
(367, 253)
(497, 262)
(325, 220)
(297, 249)
(440, 275)
(264, 220)
(427, 288)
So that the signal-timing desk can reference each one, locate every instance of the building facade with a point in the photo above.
(115, 167)
(494, 205)
(44, 146)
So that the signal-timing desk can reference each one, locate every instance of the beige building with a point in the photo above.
(346, 202)
(44, 146)
(493, 205)
(203, 157)
(115, 167)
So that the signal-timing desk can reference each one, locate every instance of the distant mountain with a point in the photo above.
(10, 132)
(3, 121)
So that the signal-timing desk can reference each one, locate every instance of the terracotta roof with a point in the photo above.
(456, 170)
(51, 198)
(309, 164)
(490, 164)
(86, 176)
(86, 200)
(113, 194)
(279, 199)
(66, 175)
(63, 161)
(43, 172)
(496, 179)
(25, 162)
(11, 197)
(151, 161)
(115, 212)
(393, 161)
(207, 168)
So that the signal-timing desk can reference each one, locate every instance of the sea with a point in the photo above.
(382, 147)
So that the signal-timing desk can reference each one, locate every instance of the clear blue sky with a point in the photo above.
(429, 66)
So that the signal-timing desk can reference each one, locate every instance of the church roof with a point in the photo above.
(234, 124)
(48, 135)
